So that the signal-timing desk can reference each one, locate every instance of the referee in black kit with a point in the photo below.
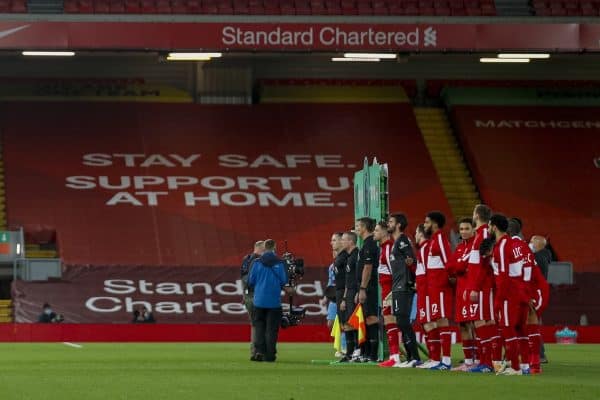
(339, 270)
(366, 274)
(347, 305)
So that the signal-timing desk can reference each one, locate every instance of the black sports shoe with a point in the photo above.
(257, 357)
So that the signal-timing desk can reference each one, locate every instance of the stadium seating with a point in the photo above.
(13, 6)
(285, 7)
(544, 174)
(434, 86)
(563, 8)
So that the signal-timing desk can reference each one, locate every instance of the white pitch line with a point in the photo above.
(77, 346)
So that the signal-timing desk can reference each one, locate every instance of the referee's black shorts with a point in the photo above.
(371, 305)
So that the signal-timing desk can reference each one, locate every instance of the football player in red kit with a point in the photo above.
(438, 288)
(479, 294)
(423, 315)
(457, 269)
(538, 293)
(511, 302)
(386, 242)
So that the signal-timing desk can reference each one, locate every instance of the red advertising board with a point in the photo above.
(106, 295)
(330, 37)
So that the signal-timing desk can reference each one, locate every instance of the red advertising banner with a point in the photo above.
(298, 36)
(196, 185)
(105, 295)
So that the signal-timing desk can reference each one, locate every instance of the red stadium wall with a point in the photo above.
(537, 163)
(279, 171)
(300, 158)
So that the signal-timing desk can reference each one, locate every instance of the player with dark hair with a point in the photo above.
(439, 290)
(347, 305)
(457, 269)
(403, 288)
(386, 242)
(366, 274)
(423, 314)
(479, 295)
(510, 301)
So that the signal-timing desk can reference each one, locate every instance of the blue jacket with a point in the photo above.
(267, 277)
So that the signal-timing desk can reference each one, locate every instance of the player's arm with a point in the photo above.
(384, 259)
(252, 276)
(407, 250)
(366, 277)
(366, 274)
(442, 249)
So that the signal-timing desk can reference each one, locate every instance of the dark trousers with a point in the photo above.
(402, 306)
(248, 300)
(266, 328)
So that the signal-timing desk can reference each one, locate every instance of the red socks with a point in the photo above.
(392, 336)
(497, 344)
(511, 342)
(434, 345)
(484, 333)
(533, 333)
(469, 349)
(446, 340)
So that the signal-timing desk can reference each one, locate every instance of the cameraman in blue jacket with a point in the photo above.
(268, 276)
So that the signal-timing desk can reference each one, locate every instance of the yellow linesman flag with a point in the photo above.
(357, 320)
(336, 334)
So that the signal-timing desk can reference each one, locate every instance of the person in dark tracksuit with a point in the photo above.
(403, 288)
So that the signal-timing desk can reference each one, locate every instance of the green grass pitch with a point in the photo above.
(223, 371)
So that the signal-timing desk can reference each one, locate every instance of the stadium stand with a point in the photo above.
(13, 6)
(563, 8)
(537, 163)
(448, 160)
(285, 7)
(91, 232)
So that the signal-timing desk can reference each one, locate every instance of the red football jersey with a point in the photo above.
(538, 285)
(437, 259)
(384, 257)
(508, 261)
(421, 271)
(457, 266)
(479, 275)
(501, 257)
(532, 274)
